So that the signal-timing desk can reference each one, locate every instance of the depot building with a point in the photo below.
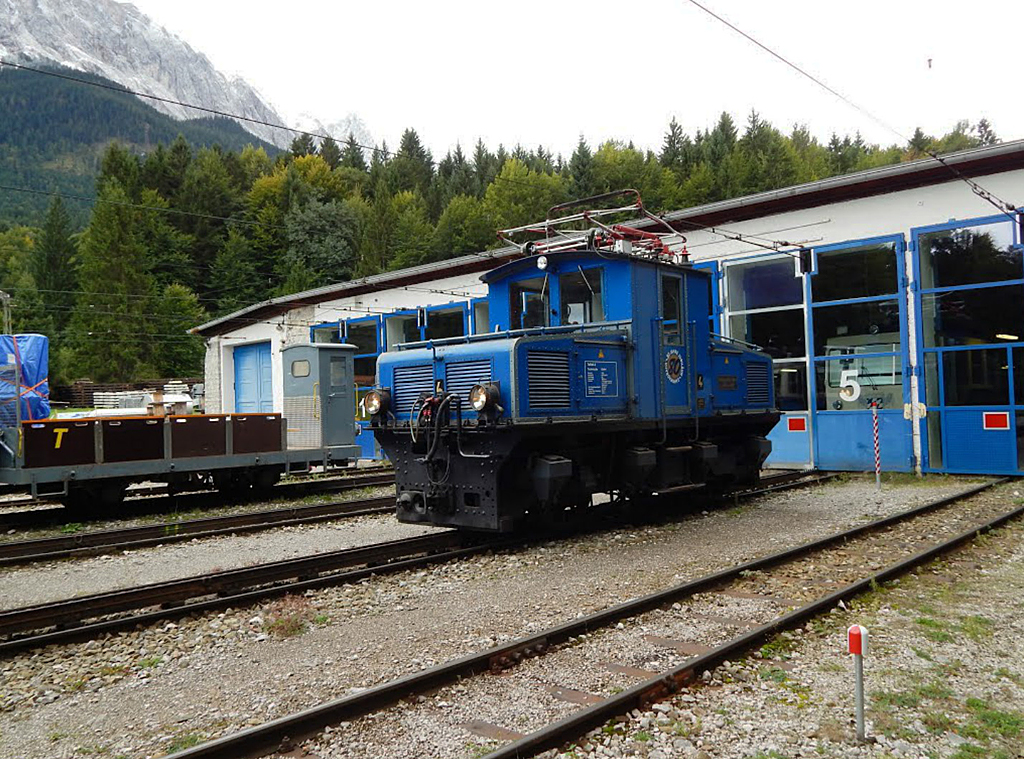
(914, 303)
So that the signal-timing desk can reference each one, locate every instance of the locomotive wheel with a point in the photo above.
(233, 483)
(111, 494)
(79, 501)
(264, 478)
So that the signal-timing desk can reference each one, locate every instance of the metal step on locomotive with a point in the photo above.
(601, 375)
(88, 462)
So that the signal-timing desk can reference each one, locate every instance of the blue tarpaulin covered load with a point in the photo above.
(24, 369)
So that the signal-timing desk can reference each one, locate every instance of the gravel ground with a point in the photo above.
(51, 581)
(533, 694)
(133, 512)
(943, 678)
(124, 695)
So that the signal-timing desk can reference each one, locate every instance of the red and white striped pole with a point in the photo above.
(878, 454)
(857, 638)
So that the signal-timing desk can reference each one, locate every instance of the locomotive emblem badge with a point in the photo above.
(673, 366)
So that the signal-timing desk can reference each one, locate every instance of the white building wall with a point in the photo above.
(293, 328)
(435, 293)
(892, 213)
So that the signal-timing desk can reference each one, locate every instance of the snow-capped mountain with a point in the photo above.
(339, 130)
(116, 41)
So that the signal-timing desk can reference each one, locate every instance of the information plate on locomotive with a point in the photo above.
(601, 379)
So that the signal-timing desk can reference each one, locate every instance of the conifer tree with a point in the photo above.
(581, 171)
(330, 152)
(110, 330)
(672, 149)
(179, 156)
(485, 167)
(177, 353)
(303, 145)
(986, 135)
(55, 266)
(352, 156)
(413, 167)
(234, 278)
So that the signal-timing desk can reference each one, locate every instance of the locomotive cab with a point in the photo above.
(600, 376)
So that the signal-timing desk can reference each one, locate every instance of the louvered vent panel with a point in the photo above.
(460, 377)
(548, 377)
(409, 383)
(758, 388)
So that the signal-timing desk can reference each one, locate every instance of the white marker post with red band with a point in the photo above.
(878, 452)
(857, 637)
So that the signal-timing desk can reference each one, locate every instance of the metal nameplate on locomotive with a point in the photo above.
(727, 382)
(601, 379)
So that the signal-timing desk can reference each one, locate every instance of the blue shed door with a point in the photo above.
(254, 380)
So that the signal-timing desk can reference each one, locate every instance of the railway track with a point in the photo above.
(75, 619)
(893, 546)
(107, 541)
(86, 617)
(32, 514)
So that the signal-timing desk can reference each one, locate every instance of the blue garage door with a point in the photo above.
(859, 329)
(971, 307)
(765, 299)
(254, 383)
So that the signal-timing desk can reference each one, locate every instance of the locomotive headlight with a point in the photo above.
(483, 397)
(375, 402)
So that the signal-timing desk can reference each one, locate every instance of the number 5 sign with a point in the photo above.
(849, 387)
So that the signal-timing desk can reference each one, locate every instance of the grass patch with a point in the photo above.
(977, 627)
(938, 722)
(934, 630)
(477, 750)
(969, 751)
(890, 699)
(1003, 672)
(778, 647)
(288, 616)
(1006, 724)
(75, 684)
(182, 742)
(773, 674)
(150, 661)
(934, 691)
(113, 669)
(921, 653)
(71, 528)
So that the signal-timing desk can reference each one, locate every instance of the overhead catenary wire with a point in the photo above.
(139, 206)
(774, 245)
(204, 109)
(1007, 209)
(751, 239)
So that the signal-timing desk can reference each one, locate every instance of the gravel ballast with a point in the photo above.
(55, 580)
(943, 678)
(142, 693)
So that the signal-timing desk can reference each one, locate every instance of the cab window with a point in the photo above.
(529, 303)
(670, 305)
(581, 296)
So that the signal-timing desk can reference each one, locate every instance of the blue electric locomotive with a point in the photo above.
(600, 375)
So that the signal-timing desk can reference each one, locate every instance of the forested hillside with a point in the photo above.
(184, 233)
(53, 133)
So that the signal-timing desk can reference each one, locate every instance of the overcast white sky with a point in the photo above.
(536, 72)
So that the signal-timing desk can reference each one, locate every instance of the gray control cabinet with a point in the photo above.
(319, 395)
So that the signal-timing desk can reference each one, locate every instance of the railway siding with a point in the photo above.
(943, 678)
(399, 624)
